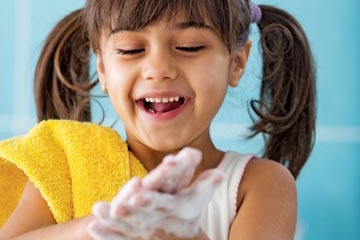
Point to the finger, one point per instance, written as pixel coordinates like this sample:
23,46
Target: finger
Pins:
127,190
100,232
136,224
156,202
180,228
190,153
175,172
187,160
154,179
117,209
130,207
139,199
136,229
172,178
165,177
190,202
101,210
143,223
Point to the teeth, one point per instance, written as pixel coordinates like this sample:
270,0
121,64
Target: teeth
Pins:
162,100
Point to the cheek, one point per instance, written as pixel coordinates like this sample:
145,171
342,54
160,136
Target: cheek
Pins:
210,89
120,83
213,76
120,78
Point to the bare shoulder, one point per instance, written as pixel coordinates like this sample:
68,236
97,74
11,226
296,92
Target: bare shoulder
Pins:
32,212
265,172
267,202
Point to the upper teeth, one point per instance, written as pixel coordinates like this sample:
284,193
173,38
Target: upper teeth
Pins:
162,100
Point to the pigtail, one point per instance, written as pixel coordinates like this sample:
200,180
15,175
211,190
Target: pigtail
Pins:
286,109
62,81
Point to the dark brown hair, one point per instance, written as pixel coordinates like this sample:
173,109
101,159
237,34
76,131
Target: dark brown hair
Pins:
286,108
285,111
62,79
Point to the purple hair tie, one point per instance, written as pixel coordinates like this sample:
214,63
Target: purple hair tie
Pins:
255,13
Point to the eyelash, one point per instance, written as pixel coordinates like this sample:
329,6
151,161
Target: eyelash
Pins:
191,49
140,50
129,52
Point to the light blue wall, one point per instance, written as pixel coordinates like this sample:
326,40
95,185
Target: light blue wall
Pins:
329,185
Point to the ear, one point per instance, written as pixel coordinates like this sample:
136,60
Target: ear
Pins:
239,60
100,67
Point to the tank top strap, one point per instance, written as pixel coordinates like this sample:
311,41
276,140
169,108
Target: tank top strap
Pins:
221,211
233,165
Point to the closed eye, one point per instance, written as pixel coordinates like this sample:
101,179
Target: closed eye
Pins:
190,49
140,50
130,51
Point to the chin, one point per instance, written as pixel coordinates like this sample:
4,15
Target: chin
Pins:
166,146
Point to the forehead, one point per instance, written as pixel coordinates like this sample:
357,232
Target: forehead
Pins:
107,16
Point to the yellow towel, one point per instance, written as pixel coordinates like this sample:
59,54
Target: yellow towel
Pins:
73,165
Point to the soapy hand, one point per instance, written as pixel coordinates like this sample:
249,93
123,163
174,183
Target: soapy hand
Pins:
161,201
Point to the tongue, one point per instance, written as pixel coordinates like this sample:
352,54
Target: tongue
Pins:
165,107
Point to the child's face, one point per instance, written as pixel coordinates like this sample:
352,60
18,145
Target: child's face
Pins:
167,81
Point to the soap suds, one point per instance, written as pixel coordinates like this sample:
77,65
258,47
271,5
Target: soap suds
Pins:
161,201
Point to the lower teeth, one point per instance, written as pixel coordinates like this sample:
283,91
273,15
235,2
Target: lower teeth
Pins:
152,110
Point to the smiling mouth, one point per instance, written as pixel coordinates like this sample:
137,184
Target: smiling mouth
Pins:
161,105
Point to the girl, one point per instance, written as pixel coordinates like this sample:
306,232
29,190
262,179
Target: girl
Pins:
166,66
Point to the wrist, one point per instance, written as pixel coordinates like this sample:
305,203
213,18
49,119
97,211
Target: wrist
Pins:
161,235
80,228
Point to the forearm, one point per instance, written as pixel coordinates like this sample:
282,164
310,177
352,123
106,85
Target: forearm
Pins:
74,229
161,235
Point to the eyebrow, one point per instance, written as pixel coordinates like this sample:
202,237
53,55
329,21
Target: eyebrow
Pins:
177,26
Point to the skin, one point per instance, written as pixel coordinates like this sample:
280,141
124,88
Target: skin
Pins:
267,196
163,67
162,198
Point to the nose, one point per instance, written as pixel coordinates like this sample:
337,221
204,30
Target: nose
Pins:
159,64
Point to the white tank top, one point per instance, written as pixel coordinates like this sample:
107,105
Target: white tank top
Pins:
221,211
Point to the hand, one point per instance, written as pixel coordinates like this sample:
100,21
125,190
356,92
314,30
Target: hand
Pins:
125,222
175,172
158,202
182,214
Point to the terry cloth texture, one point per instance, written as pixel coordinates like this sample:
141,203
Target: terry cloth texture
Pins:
73,165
